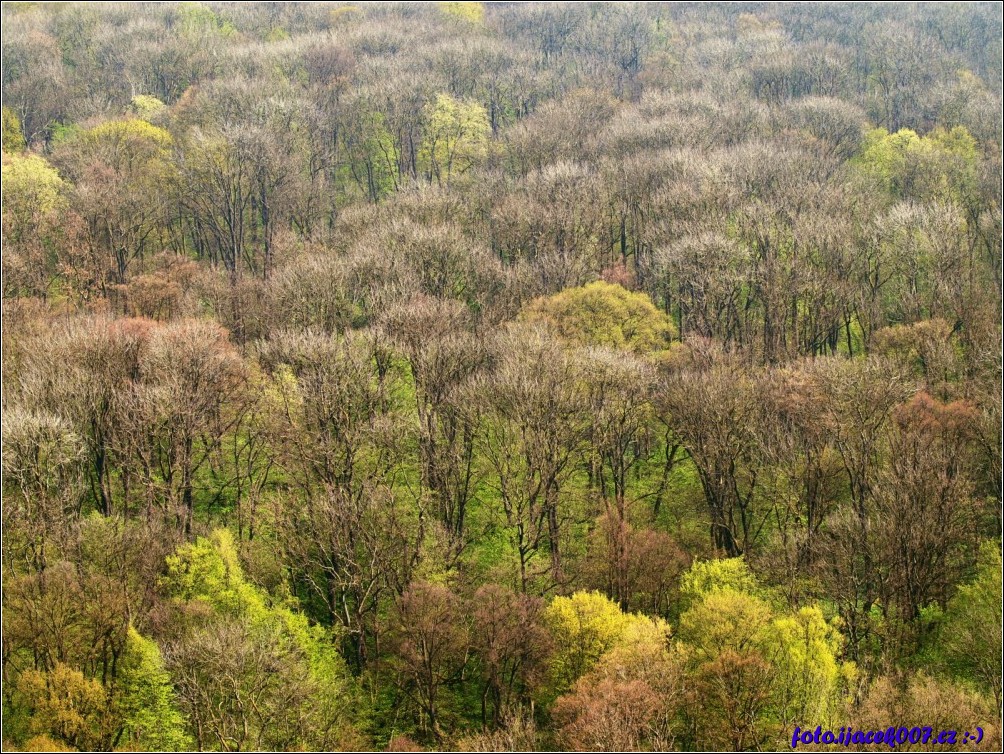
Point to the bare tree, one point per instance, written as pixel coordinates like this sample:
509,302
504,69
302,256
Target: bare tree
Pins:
532,425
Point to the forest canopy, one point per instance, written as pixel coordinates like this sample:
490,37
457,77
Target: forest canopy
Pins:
499,376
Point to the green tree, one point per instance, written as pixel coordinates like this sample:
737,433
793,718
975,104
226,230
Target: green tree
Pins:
147,107
67,706
756,672
724,620
584,625
706,577
13,137
198,20
456,138
122,170
941,165
627,700
372,154
803,649
605,314
145,699
293,690
473,13
33,192
971,634
129,144
208,571
34,197
588,625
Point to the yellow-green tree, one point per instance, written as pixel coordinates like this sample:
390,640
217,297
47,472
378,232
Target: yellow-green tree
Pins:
706,577
198,20
584,625
941,165
803,649
34,197
971,635
147,107
617,673
756,671
250,673
473,13
605,314
588,625
67,707
145,700
127,144
456,138
725,620
33,192
13,137
123,172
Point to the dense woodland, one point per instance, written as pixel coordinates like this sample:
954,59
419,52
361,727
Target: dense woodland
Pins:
499,376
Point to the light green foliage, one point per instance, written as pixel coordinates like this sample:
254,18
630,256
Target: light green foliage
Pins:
941,165
373,155
956,141
728,625
139,153
707,577
456,137
884,154
128,141
145,699
208,570
32,191
382,151
971,636
197,19
345,15
471,12
122,170
196,14
724,620
803,649
586,626
60,133
643,643
30,184
13,138
605,314
147,107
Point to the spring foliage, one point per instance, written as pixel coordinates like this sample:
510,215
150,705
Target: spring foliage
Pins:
605,314
512,376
